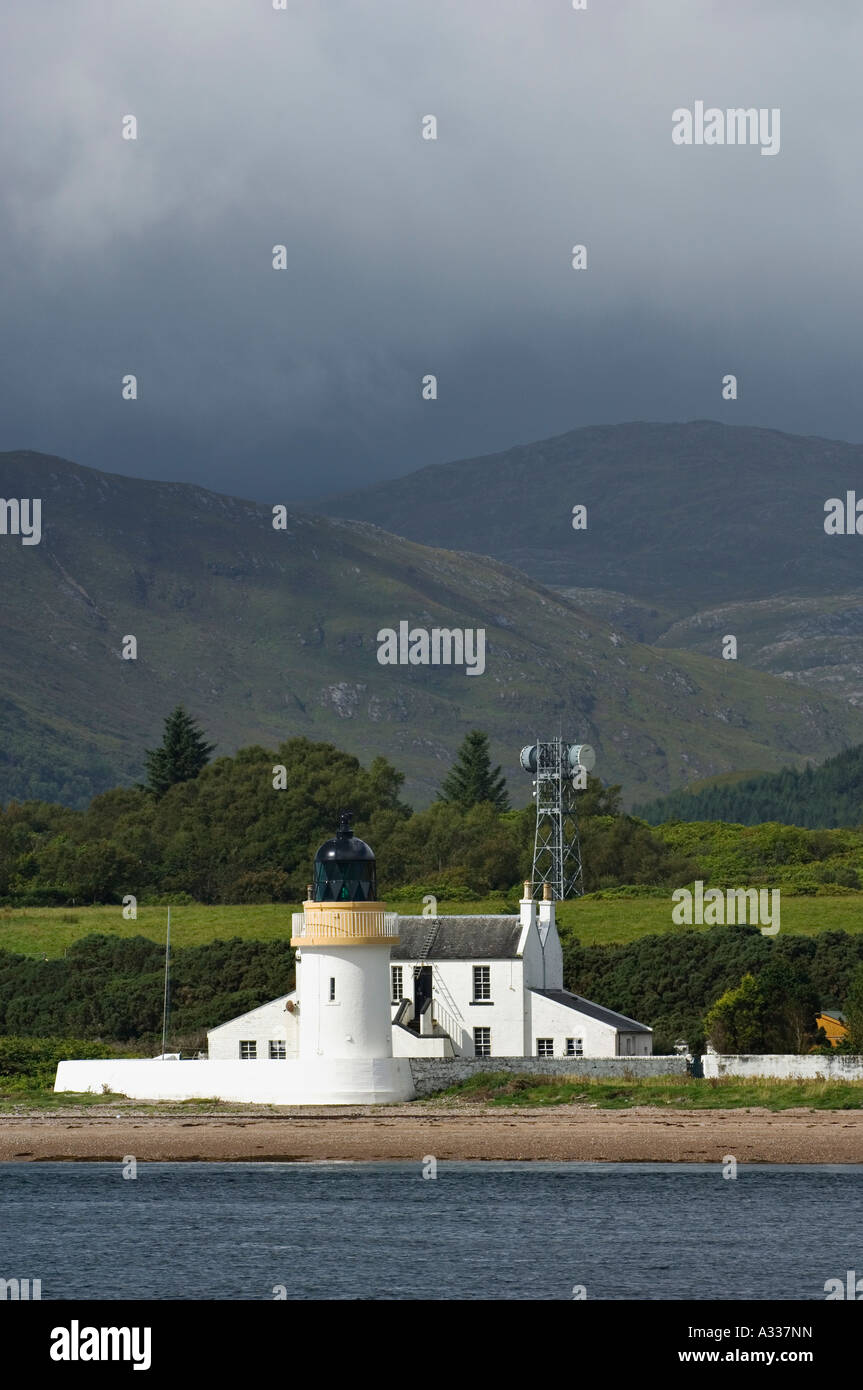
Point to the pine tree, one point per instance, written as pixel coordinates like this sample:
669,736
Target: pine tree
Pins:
180,757
472,780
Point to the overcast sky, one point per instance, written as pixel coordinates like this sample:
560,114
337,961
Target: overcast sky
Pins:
408,256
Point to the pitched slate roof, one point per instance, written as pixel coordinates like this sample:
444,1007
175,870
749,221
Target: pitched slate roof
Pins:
584,1006
479,937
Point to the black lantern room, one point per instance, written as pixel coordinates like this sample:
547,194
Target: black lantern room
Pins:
345,868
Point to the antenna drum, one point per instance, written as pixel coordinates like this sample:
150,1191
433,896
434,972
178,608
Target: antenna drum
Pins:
527,758
582,755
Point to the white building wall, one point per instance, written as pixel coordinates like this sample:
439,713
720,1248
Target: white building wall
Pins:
269,1023
556,1021
408,1044
453,1005
364,1081
356,1023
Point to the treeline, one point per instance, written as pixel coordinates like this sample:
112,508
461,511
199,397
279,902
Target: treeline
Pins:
672,981
110,988
229,836
824,797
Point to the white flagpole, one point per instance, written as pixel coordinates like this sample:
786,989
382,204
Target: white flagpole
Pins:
165,1001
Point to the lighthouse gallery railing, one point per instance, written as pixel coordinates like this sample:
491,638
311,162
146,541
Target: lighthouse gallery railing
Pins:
344,922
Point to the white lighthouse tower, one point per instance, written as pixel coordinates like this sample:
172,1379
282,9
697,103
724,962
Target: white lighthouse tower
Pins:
343,939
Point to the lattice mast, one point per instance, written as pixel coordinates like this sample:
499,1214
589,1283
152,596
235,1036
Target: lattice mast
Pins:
560,772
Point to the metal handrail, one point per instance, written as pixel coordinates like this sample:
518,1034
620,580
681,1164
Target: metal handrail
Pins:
345,923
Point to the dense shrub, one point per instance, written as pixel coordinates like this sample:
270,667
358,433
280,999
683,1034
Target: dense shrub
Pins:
112,987
671,981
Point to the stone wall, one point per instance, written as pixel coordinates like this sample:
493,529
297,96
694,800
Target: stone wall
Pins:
433,1074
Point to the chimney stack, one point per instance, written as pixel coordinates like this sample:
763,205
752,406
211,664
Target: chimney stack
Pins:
546,908
527,906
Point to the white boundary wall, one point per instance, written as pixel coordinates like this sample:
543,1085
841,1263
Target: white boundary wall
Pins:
366,1081
807,1066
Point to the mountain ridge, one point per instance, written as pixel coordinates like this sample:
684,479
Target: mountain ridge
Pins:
629,477
693,531
265,634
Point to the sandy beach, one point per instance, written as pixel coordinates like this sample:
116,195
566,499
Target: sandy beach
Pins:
467,1132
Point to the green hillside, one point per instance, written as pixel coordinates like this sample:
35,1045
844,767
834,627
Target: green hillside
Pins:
266,634
816,641
694,531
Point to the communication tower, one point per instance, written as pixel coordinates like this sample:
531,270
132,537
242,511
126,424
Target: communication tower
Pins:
560,772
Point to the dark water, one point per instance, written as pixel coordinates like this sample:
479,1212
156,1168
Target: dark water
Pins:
381,1231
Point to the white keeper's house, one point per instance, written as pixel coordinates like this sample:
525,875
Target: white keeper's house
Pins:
376,991
467,986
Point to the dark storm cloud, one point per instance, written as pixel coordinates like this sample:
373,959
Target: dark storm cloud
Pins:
407,256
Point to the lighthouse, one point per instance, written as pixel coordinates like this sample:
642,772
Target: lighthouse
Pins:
343,939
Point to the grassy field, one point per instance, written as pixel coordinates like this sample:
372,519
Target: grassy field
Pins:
687,1093
40,931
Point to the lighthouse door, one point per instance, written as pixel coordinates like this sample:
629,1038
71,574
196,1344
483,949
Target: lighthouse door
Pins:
422,988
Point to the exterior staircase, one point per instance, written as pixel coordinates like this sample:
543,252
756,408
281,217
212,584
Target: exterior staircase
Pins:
447,1017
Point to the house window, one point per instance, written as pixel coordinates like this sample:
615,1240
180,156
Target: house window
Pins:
579,1047
278,1050
248,1051
482,1042
481,984
398,989
332,988
570,1047
629,1044
545,1047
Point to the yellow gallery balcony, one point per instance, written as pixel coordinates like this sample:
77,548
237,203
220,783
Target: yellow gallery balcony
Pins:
352,924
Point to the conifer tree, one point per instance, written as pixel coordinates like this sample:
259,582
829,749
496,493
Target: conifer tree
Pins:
181,755
471,779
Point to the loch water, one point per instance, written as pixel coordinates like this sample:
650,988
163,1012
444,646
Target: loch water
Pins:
488,1230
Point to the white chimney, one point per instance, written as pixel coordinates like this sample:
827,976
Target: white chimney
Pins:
527,908
546,912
